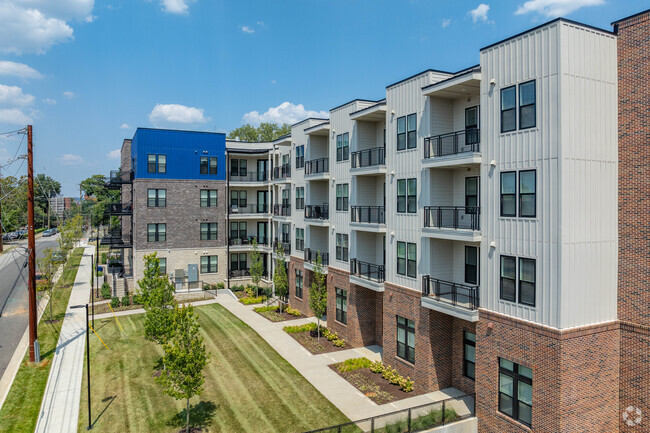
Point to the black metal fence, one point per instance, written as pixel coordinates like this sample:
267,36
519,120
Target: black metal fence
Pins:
286,247
311,256
317,211
282,209
366,270
453,143
452,217
261,240
251,176
369,157
368,214
282,172
259,208
461,295
315,166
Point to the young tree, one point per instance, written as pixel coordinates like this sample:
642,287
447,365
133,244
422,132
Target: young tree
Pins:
185,357
257,267
280,279
71,231
157,294
318,292
47,267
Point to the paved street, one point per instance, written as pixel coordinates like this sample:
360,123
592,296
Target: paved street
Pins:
13,296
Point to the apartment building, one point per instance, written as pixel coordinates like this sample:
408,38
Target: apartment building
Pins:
468,223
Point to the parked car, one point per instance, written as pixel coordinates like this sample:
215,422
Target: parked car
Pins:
48,233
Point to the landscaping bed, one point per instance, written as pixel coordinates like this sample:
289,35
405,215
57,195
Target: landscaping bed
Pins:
132,303
274,315
307,336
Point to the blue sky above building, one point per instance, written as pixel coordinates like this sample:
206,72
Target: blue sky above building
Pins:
98,70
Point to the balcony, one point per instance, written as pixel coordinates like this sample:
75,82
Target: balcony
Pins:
368,214
248,177
369,161
286,247
454,148
282,210
117,178
282,172
458,300
319,212
239,273
262,241
452,222
367,275
115,239
311,255
318,167
251,210
119,209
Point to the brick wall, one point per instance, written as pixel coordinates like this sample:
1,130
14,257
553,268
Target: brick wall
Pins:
575,375
433,338
300,304
460,381
635,375
339,279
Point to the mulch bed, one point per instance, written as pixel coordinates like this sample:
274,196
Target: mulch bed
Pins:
375,387
316,346
276,316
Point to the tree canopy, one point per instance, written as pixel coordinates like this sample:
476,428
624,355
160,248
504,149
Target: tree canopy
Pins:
264,132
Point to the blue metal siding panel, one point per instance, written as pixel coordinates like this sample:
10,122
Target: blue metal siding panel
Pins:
183,150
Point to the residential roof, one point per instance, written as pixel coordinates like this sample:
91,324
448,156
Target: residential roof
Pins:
631,16
418,74
350,102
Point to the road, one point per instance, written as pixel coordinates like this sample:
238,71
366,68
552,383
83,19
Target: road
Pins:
13,296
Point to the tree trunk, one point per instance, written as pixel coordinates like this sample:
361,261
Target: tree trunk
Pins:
318,328
187,411
51,299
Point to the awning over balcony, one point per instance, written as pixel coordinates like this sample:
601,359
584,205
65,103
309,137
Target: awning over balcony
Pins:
463,84
374,113
320,129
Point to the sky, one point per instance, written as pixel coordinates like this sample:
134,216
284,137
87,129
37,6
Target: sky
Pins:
86,73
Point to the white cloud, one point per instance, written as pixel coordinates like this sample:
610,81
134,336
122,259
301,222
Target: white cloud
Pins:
13,96
70,159
179,7
15,116
176,113
273,82
90,18
283,113
68,94
18,70
49,101
114,154
480,13
554,8
446,22
124,126
247,29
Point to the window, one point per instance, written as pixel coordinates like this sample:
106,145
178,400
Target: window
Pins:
411,132
509,194
298,283
238,199
342,306
471,195
471,265
401,196
238,167
208,264
527,105
204,165
342,247
300,239
208,197
162,163
527,193
156,232
516,391
342,197
407,195
156,163
469,355
508,278
406,339
151,163
208,231
208,165
527,281
300,197
238,262
156,197
508,109
407,259
401,133
300,156
401,258
238,230
162,265
343,147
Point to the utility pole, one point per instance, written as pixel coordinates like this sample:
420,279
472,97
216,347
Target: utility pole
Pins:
34,355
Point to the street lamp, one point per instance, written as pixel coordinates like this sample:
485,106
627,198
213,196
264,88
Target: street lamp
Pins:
87,360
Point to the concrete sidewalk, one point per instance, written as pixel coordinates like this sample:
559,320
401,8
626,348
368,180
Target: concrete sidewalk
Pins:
60,407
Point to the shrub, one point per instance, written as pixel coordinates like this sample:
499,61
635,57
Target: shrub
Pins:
293,312
353,364
339,342
299,328
324,332
249,292
115,302
236,288
103,258
220,286
332,336
106,291
251,300
137,299
377,367
126,301
406,384
206,287
264,309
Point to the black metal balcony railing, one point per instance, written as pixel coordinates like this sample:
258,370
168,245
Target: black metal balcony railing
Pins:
282,172
453,143
317,211
238,273
315,166
286,246
251,176
282,209
117,178
368,214
260,208
118,209
262,240
366,270
369,157
452,217
457,294
311,255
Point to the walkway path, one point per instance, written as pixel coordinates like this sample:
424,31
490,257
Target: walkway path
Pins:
60,408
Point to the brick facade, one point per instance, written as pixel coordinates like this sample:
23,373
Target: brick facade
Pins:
575,375
459,380
300,304
634,215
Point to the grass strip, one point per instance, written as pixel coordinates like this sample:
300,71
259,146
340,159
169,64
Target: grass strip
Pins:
19,412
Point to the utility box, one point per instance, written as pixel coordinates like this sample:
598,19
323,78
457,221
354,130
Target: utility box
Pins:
192,273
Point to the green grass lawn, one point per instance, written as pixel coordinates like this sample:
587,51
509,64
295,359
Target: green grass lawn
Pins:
20,410
248,387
